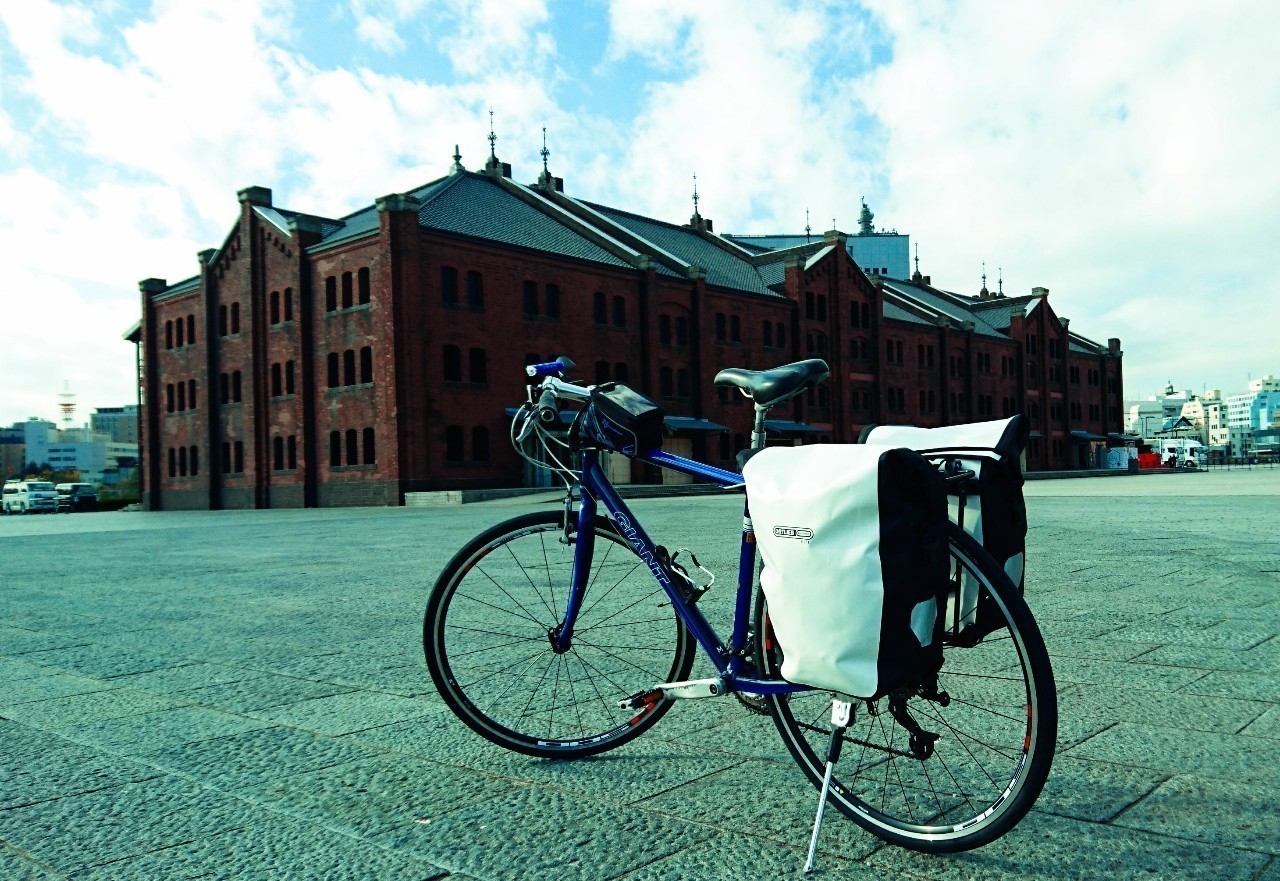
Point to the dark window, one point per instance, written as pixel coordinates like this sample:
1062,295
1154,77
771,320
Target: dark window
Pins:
530,298
720,327
808,304
479,366
664,330
897,347
292,447
782,335
366,364
452,364
182,396
288,304
453,443
168,398
620,372
275,307
222,320
370,452
362,285
288,377
331,294
348,297
448,285
335,449
682,331
619,312
182,333
853,315
352,452
277,453
333,370
182,461
768,334
235,386
735,329
226,457
195,461
191,330
239,457
598,308
224,389
480,444
920,355
191,394
475,289
277,381
349,367
173,462
865,309
235,318
822,307
552,303
602,371
665,385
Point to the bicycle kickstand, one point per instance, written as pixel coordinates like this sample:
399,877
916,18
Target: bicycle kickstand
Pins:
840,711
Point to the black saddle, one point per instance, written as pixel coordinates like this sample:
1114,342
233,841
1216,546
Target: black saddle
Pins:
769,387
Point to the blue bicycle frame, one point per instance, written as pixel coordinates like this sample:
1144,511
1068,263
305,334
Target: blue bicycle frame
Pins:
727,658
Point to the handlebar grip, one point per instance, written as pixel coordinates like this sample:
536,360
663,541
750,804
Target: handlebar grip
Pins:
547,409
557,367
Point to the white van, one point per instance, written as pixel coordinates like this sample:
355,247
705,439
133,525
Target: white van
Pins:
29,496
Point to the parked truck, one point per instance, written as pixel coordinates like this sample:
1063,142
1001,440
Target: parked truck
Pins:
29,497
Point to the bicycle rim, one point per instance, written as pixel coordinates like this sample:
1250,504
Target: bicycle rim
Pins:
995,734
487,644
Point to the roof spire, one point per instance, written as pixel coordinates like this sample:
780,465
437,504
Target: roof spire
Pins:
457,161
493,139
695,194
984,293
544,151
1000,292
917,276
806,225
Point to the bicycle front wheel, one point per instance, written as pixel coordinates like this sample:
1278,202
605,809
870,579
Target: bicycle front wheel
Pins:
487,643
995,717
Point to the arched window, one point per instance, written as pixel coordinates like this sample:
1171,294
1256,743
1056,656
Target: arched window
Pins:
182,396
362,285
239,456
277,453
452,364
619,312
664,330
479,366
275,307
768,335
292,449
366,364
191,394
288,304
182,332
288,377
277,380
168,398
195,461
480,444
370,453
529,298
226,457
331,294
235,318
349,367
173,462
720,327
182,461
475,290
191,330
598,307
735,329
352,452
682,331
335,449
168,334
235,386
782,335
808,304
448,285
822,307
333,370
222,321
552,304
348,298
453,443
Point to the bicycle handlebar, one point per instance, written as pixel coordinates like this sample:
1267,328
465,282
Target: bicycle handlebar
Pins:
550,368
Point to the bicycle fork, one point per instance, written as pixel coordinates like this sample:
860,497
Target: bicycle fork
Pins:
840,712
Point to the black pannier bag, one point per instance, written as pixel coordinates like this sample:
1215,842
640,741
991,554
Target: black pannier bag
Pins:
854,545
991,508
621,419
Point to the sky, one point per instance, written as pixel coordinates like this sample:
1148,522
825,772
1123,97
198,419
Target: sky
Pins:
1120,154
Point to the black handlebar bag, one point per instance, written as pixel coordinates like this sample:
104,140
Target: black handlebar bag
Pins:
990,508
621,419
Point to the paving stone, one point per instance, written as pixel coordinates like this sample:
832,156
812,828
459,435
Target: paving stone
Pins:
43,686
17,867
281,848
782,805
376,794
344,713
1223,756
1068,645
1047,848
15,669
150,732
77,832
1244,814
733,857
1250,686
1221,635
1118,674
78,709
17,640
541,833
100,661
1176,710
1262,658
188,676
1266,725
1094,791
261,692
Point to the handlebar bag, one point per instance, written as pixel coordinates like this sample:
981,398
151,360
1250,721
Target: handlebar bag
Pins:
991,508
619,418
855,563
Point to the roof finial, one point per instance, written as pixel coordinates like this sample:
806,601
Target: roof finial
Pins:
1000,269
917,256
545,152
695,194
806,225
984,293
457,161
493,139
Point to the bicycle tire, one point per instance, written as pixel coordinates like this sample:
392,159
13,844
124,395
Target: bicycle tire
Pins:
509,584
895,795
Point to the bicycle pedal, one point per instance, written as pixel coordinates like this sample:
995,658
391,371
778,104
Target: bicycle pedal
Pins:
641,700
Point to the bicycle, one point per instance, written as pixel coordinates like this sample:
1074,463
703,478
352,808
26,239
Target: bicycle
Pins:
568,633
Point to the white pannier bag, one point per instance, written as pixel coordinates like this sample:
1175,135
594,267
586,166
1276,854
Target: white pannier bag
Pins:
991,510
854,545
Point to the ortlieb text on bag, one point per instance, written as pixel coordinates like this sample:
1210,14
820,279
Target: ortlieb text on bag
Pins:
854,545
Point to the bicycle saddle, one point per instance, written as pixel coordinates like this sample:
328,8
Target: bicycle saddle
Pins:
769,387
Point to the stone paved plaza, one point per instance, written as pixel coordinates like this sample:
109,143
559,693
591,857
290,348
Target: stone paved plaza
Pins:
243,695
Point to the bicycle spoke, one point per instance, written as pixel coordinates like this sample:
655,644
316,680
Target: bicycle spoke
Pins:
555,616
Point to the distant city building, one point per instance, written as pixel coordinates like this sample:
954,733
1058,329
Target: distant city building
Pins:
1251,413
119,423
39,442
877,252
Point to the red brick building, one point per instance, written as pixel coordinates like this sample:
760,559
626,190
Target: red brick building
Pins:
319,362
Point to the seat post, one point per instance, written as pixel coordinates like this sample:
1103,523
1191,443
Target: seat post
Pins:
757,433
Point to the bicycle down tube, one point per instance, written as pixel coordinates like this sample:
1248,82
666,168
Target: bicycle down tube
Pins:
596,489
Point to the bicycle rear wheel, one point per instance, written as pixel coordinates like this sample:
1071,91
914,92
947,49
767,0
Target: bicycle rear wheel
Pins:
997,727
486,640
